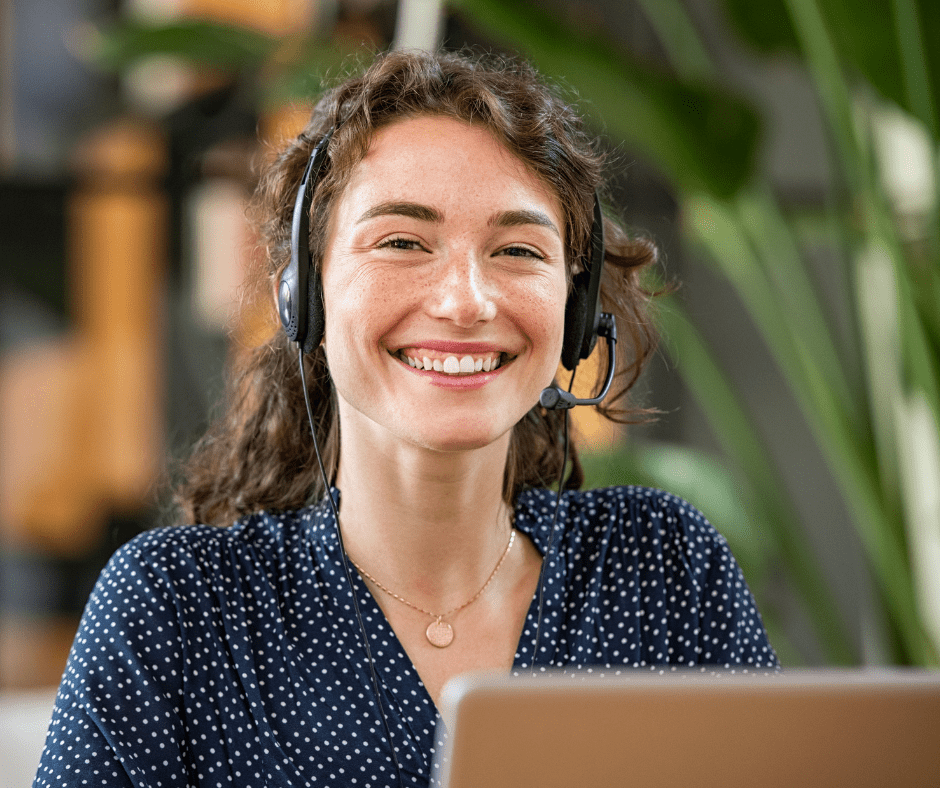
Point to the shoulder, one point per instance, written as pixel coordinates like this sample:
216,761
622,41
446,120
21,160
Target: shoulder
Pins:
264,531
184,578
634,504
650,555
187,555
630,526
624,514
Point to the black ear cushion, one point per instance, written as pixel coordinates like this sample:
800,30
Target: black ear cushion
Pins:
575,319
315,311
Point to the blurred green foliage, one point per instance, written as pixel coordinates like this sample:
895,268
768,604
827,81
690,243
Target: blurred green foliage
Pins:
874,416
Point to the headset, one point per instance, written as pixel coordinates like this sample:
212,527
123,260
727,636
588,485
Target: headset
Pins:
300,298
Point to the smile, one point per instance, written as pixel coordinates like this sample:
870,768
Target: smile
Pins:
467,364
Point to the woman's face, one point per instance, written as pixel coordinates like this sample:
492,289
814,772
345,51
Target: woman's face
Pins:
444,287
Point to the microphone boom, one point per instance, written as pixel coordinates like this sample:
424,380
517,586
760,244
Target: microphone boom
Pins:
556,398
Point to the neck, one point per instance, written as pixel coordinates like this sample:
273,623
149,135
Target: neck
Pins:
430,525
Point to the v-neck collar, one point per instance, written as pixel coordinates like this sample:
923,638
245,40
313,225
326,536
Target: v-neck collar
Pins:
404,693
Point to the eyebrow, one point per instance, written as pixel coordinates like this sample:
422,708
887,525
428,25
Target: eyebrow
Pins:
522,217
424,213
412,210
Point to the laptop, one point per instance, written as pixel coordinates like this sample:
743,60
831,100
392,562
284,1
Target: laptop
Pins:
560,730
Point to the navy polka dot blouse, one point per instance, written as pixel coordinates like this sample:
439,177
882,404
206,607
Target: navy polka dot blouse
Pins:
231,656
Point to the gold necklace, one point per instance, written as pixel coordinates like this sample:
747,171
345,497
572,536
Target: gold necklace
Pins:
439,633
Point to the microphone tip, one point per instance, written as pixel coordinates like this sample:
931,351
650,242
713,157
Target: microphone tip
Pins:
549,398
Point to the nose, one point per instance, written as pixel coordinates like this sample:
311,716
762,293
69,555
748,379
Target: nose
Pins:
462,293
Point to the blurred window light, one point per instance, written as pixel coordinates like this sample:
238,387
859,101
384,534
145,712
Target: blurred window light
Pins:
221,239
418,25
904,154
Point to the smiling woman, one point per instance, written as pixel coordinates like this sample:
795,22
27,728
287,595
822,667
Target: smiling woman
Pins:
435,244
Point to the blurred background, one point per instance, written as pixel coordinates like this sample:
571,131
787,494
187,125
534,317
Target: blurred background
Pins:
784,155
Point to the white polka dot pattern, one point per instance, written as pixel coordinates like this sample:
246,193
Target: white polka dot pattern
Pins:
231,657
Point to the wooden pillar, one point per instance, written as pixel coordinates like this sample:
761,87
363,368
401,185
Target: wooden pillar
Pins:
118,228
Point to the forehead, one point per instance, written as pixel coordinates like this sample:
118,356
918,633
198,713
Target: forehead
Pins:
431,157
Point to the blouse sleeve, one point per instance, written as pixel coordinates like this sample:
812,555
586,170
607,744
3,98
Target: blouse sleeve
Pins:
118,719
730,630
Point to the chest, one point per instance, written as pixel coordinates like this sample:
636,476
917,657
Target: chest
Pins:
485,634
484,639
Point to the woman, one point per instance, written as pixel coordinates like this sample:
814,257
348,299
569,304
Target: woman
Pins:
451,205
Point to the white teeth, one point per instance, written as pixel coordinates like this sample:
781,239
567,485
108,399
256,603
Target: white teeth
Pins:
466,365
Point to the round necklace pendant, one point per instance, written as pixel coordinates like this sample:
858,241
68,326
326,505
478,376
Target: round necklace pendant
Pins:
440,634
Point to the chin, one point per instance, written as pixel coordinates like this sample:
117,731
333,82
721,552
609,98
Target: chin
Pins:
457,436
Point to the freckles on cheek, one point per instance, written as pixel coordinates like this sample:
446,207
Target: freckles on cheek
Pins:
544,327
370,306
547,311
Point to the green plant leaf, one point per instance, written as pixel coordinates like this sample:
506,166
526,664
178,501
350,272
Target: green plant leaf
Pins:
778,253
847,456
679,36
703,138
223,47
919,449
869,36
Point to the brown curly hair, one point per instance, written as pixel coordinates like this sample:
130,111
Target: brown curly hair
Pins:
259,454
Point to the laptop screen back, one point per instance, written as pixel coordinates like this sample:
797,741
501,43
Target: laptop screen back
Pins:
807,729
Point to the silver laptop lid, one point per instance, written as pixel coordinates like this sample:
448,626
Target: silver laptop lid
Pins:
846,728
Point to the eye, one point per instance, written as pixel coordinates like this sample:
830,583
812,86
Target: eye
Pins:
403,244
521,251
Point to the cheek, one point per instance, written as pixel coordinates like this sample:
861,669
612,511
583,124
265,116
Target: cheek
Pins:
345,313
362,306
544,314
